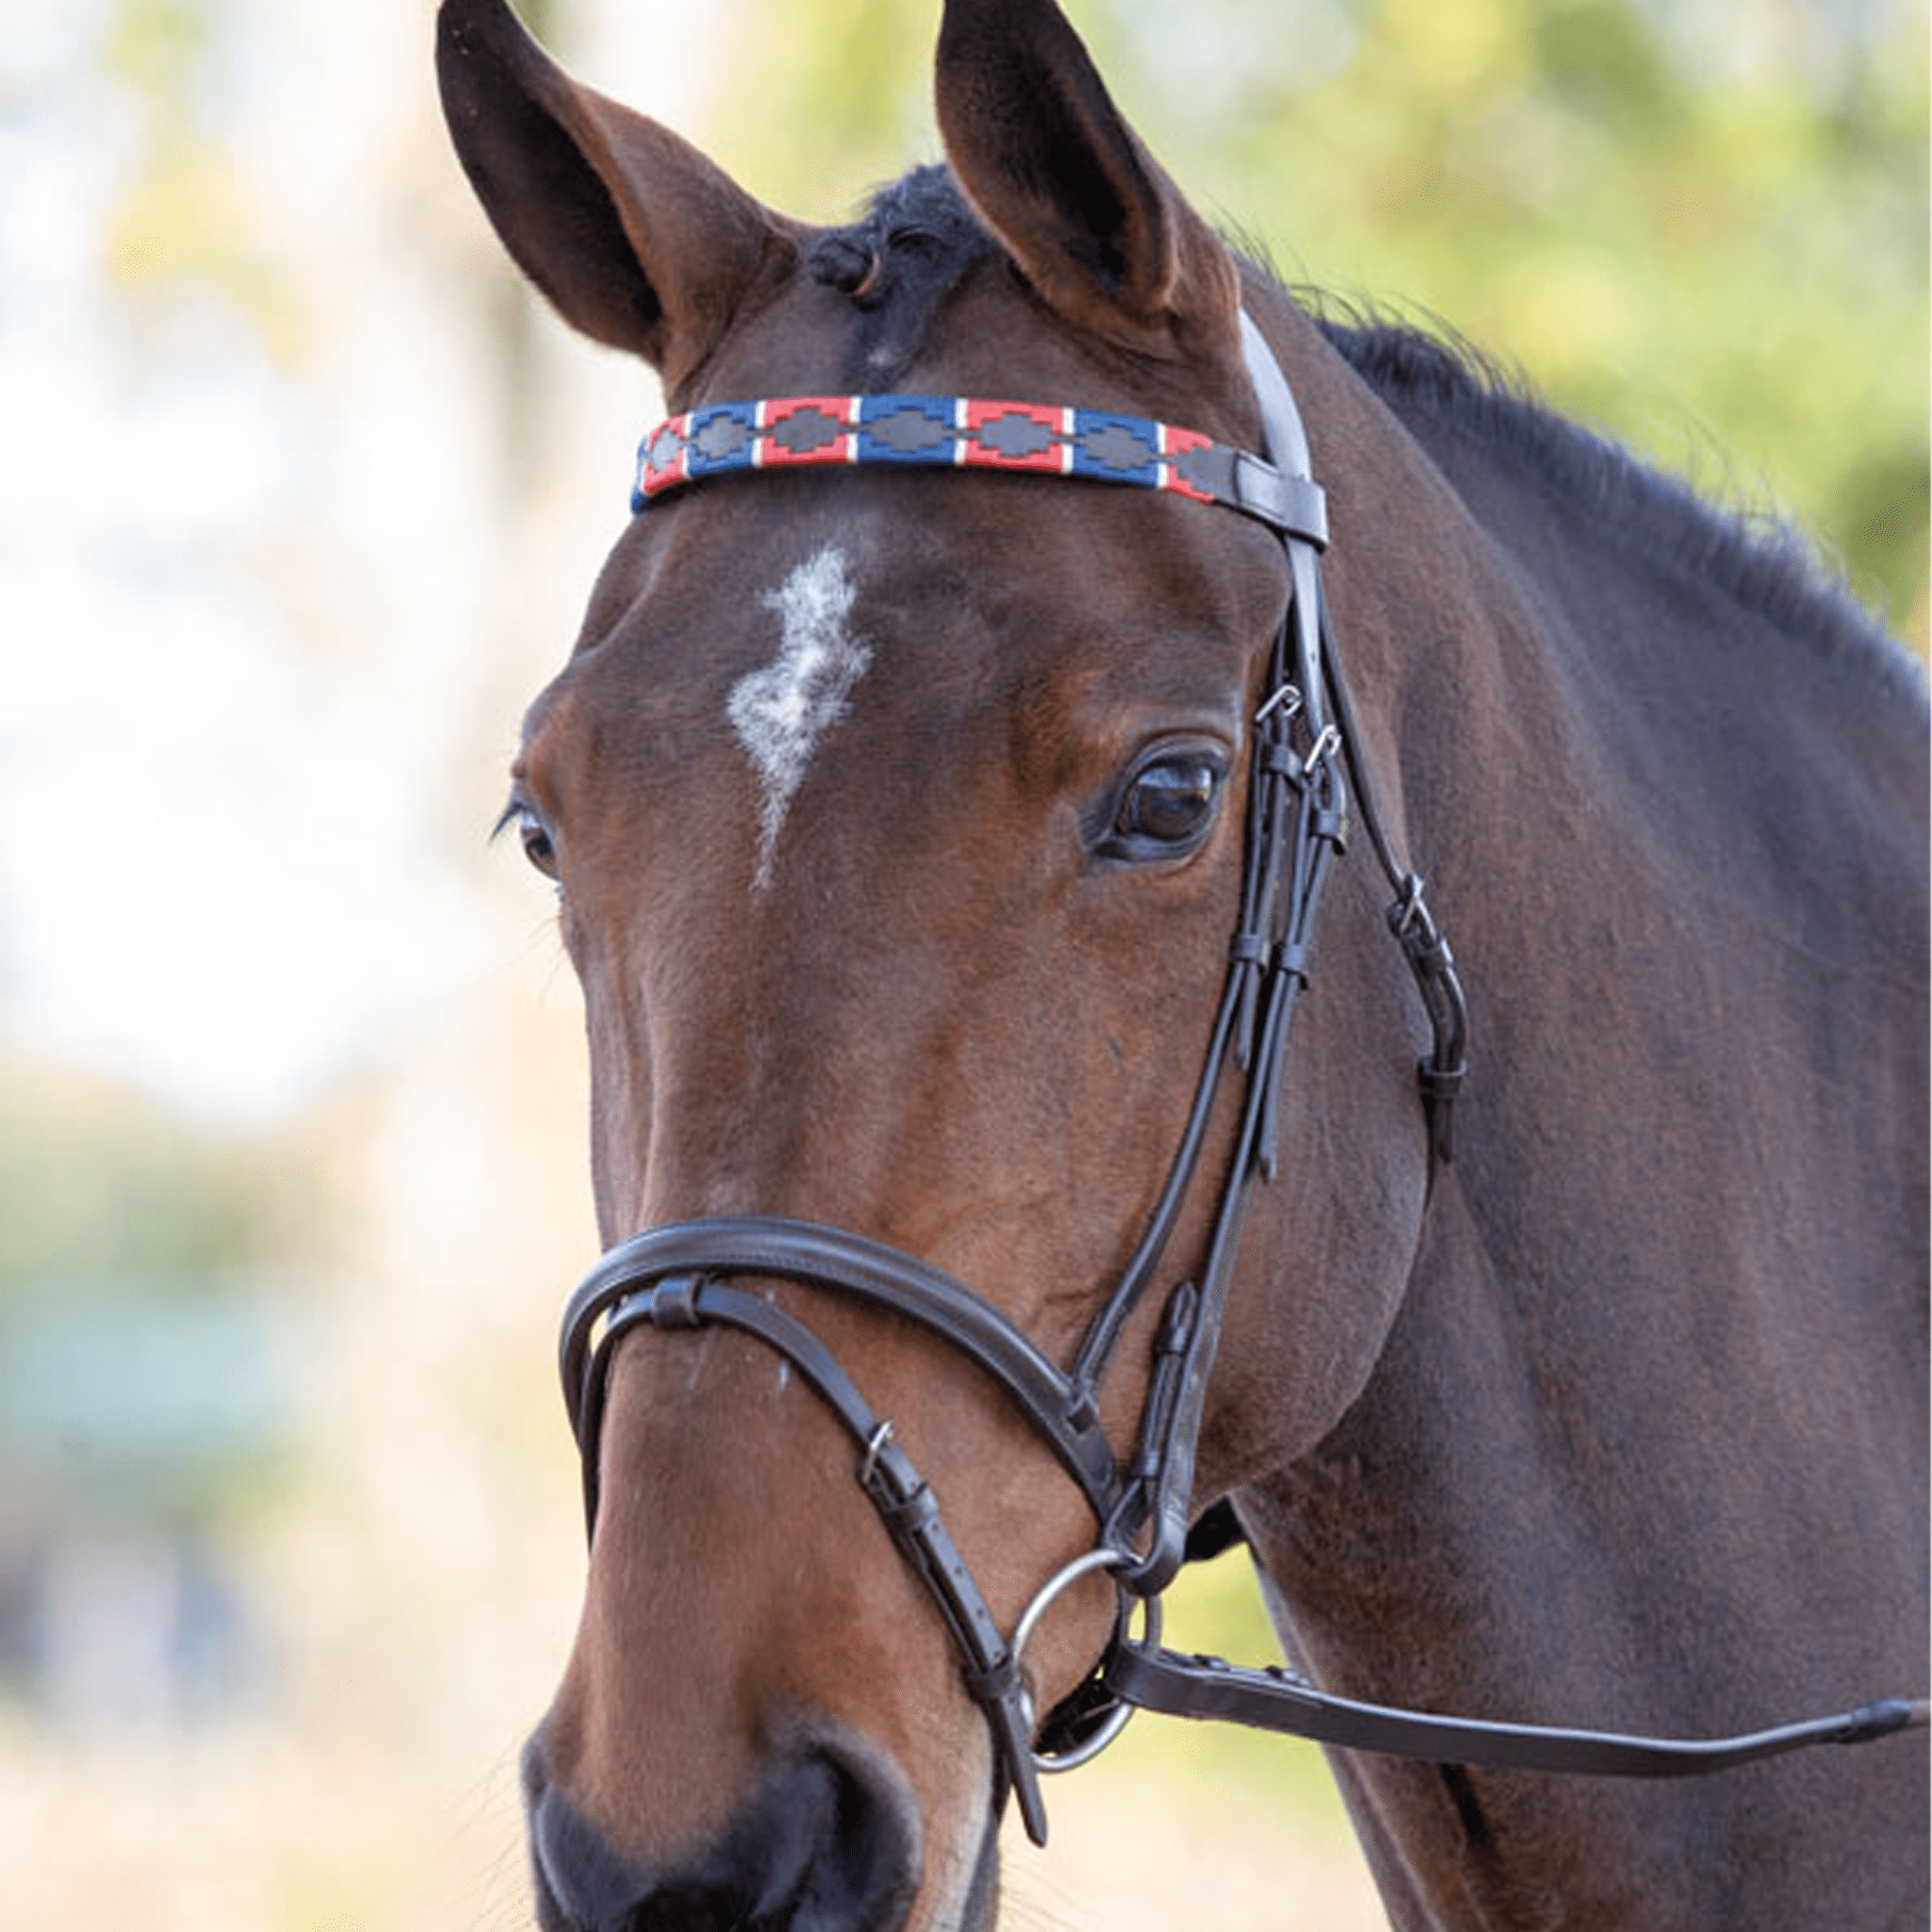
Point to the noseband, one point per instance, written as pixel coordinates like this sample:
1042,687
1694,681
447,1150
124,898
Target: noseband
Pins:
683,1276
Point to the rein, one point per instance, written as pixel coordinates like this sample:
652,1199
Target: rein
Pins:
1306,754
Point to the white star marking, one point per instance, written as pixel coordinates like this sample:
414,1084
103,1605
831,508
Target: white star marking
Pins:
781,712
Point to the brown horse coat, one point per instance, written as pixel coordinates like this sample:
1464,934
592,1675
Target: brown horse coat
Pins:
1621,1419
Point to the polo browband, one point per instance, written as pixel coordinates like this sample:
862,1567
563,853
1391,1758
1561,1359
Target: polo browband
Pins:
680,1276
961,433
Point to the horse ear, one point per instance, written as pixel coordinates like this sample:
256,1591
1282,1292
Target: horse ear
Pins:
635,236
1087,213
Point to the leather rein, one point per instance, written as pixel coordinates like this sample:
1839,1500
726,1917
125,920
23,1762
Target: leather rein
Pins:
1306,754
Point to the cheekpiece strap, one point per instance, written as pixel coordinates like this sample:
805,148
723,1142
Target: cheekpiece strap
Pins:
959,432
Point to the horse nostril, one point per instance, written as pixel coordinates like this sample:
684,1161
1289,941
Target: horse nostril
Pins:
582,1885
829,1844
857,1855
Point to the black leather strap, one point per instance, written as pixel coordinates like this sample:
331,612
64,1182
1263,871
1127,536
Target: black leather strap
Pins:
1278,1700
831,1257
1424,945
1297,808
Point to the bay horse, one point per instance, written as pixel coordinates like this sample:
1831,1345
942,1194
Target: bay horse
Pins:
940,829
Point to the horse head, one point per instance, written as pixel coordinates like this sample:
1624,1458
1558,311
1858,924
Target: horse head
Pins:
897,826
938,845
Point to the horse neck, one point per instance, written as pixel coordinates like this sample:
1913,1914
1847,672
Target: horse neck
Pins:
1665,1315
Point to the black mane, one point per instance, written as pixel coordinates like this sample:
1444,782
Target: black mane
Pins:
1763,563
919,236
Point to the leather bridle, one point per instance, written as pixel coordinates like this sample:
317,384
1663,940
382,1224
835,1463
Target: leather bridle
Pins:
1304,747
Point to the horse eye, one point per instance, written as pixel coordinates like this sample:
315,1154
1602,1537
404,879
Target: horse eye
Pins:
1168,806
537,846
540,848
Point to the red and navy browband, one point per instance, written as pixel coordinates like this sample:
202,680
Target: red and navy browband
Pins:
956,432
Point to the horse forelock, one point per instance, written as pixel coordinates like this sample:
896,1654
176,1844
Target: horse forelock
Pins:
916,240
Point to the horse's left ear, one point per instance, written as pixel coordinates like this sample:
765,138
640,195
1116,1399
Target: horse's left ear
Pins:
1087,213
635,236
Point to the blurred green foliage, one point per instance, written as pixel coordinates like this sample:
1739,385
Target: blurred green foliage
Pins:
103,1187
188,225
1699,225
119,1219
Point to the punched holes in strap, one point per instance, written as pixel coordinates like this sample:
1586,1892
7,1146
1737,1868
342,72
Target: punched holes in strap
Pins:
989,1669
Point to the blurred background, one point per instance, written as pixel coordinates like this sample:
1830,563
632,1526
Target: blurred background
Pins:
300,498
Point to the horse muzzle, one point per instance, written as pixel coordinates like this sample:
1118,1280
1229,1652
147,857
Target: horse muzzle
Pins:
828,1841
